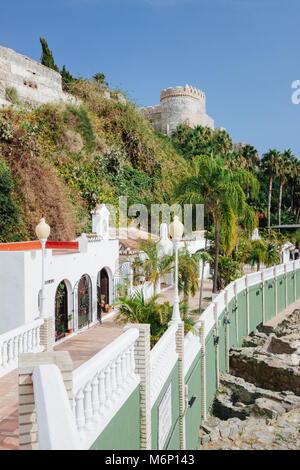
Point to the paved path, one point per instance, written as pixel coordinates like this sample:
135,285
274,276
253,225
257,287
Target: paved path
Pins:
81,348
168,296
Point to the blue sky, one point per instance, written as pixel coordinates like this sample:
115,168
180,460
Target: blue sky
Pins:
244,54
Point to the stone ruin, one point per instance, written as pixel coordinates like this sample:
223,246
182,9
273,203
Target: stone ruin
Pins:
258,403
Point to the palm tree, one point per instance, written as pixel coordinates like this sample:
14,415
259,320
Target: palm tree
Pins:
250,157
256,253
284,171
270,165
295,169
221,192
188,273
204,258
154,266
136,309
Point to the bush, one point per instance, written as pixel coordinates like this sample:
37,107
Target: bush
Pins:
8,211
83,126
11,95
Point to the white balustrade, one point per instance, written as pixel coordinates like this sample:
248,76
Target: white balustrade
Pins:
102,384
163,358
24,339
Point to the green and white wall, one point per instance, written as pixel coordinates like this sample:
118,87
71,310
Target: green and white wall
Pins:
129,397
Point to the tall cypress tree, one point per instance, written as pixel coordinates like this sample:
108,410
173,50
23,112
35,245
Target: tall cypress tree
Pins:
47,58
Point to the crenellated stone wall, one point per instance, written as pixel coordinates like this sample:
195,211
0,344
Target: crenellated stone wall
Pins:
179,105
34,83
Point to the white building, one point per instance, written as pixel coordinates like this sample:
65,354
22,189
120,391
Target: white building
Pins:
78,278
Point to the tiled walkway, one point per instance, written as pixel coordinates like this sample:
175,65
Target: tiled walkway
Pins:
81,348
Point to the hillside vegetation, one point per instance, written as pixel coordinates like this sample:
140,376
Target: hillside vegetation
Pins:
64,159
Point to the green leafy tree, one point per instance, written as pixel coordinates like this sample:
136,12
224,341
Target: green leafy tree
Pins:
229,270
66,75
284,171
154,266
47,57
221,192
8,211
270,166
136,309
100,79
188,273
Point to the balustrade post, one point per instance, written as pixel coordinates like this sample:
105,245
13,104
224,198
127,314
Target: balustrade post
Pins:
102,392
88,410
142,369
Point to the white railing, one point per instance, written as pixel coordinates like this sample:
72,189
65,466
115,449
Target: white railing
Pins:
240,285
147,288
103,384
25,339
163,358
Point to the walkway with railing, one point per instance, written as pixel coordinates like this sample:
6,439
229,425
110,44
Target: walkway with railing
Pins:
81,348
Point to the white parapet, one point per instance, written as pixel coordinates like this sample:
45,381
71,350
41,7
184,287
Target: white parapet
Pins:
102,385
163,358
25,339
56,423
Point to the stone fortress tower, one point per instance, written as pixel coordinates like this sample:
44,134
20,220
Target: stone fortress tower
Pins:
179,105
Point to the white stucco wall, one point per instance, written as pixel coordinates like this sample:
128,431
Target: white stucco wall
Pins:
21,272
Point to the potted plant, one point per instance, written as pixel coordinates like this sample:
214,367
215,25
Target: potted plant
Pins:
107,308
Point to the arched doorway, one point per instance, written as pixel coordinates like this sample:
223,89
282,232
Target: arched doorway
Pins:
84,301
102,292
61,311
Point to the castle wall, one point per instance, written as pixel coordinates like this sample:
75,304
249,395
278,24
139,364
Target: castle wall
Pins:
179,106
33,82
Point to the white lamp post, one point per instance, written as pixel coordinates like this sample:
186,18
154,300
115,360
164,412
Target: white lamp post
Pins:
176,232
42,231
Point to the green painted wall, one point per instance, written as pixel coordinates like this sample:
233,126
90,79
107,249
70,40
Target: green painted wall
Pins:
211,373
193,414
255,303
290,287
298,283
173,441
232,327
242,312
222,342
123,431
269,299
281,293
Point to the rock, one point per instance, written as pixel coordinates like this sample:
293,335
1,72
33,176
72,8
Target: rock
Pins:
224,408
279,346
73,141
234,432
205,439
269,408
